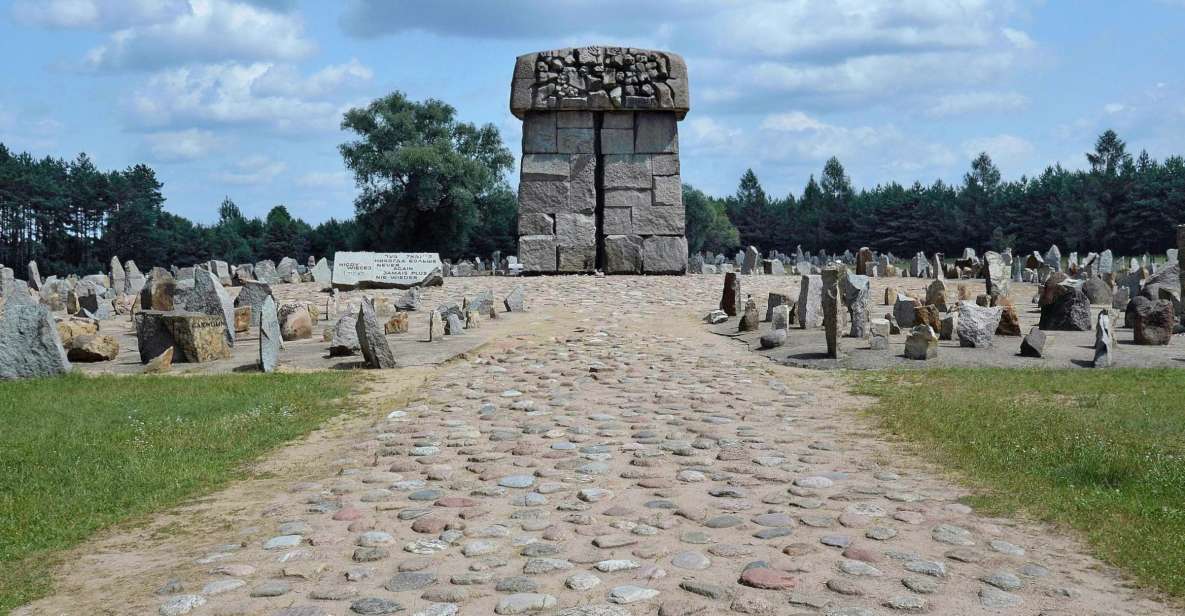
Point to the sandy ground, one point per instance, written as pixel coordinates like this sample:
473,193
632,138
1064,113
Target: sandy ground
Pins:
607,433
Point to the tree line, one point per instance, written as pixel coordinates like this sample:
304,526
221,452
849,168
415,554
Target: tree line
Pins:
1128,204
428,182
71,217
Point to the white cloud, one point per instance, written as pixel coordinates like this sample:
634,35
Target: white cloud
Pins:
1018,38
285,80
242,94
1114,107
705,135
755,54
253,170
183,145
975,102
208,31
96,14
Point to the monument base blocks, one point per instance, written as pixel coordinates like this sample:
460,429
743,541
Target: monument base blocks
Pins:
599,184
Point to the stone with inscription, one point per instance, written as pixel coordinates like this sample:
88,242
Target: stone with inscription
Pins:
386,270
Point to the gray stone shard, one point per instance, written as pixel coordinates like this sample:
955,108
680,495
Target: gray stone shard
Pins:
976,324
775,300
921,343
322,273
1053,258
409,301
265,271
222,271
119,279
996,274
515,300
810,302
269,335
830,303
254,294
857,293
209,297
34,276
135,280
29,342
752,261
372,339
1033,344
344,339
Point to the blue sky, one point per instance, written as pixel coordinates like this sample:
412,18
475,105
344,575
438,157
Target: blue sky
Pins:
244,97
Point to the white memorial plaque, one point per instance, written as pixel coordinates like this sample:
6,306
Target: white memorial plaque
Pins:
385,270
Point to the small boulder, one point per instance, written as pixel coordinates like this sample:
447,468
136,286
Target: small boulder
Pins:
296,322
921,343
92,348
773,339
1033,344
750,319
977,325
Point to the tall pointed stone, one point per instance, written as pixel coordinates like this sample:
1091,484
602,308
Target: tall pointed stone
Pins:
269,335
810,302
372,338
119,278
829,293
209,297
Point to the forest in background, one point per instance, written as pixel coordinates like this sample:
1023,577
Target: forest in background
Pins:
431,183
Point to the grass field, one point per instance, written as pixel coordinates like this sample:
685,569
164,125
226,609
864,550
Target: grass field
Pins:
1100,451
78,453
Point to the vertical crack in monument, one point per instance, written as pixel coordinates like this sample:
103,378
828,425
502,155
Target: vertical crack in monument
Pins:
599,183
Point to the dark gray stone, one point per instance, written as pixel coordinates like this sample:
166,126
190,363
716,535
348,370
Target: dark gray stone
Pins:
270,339
209,297
1033,344
372,339
29,342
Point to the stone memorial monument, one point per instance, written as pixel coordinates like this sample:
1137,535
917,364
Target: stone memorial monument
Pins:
599,182
386,270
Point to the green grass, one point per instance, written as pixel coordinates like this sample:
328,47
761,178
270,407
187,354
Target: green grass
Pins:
78,454
1100,451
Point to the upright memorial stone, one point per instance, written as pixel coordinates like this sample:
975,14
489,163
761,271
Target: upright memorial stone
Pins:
864,258
119,279
34,276
135,279
372,339
856,294
600,184
732,302
1053,258
269,335
810,301
997,275
830,304
386,270
752,262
